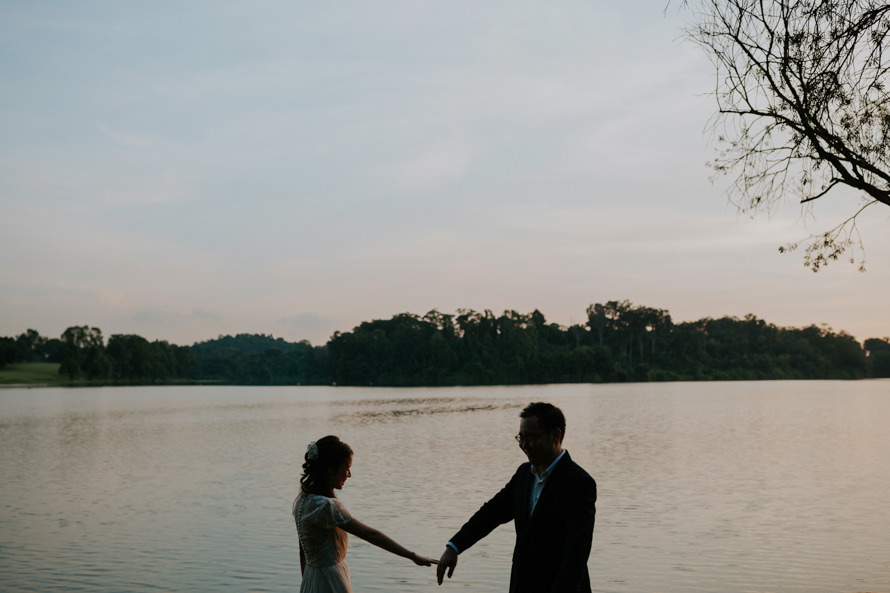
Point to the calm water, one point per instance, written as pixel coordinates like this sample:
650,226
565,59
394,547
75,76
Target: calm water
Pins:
730,487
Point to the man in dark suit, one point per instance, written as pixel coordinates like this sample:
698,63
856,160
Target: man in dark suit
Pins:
552,503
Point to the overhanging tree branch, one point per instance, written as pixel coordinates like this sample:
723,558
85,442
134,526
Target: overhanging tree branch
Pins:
802,96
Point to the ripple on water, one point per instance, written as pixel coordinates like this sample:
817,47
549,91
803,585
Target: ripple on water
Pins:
752,487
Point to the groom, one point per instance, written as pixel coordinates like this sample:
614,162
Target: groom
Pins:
551,501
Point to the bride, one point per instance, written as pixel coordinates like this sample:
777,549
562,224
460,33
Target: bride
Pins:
323,521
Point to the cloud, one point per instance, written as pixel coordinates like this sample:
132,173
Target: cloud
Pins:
304,322
310,326
435,168
203,315
149,316
156,315
126,138
112,297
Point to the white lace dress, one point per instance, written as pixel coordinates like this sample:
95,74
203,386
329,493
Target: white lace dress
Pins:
324,543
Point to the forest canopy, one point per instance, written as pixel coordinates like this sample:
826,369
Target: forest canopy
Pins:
619,342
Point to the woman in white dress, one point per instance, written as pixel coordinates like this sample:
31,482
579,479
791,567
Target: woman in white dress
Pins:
323,521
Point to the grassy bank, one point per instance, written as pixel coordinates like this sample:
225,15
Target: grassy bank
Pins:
46,374
32,373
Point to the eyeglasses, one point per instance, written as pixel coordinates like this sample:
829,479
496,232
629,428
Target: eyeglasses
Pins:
524,438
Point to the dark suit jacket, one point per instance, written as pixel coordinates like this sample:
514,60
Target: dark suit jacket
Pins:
553,544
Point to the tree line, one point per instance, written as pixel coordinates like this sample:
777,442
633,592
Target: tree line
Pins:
619,342
83,355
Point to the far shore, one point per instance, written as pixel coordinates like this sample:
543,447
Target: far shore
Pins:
27,375
41,375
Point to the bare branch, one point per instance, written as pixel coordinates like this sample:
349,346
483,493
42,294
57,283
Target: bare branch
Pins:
803,99
833,183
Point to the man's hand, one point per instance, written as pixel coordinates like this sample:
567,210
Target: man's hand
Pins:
449,561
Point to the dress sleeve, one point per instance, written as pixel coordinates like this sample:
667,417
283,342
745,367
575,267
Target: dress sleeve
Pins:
326,512
336,513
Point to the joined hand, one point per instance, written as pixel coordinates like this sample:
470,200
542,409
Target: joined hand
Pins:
449,561
422,560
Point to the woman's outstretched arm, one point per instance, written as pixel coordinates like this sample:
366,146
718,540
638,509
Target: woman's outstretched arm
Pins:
381,540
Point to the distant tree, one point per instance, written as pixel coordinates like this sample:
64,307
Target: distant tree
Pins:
596,321
880,364
618,320
877,344
630,331
8,351
134,359
184,361
83,353
252,359
648,323
803,105
31,346
878,350
52,350
246,343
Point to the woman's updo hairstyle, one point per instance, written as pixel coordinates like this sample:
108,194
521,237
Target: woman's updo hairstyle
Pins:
327,453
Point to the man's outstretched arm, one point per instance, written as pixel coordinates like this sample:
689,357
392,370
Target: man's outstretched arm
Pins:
497,511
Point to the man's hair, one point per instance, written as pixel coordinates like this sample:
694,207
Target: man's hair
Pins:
548,415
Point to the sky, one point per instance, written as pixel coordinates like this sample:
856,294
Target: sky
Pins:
185,170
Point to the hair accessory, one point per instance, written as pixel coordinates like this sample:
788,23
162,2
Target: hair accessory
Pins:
312,451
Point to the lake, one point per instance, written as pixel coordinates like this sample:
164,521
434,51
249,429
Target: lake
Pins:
730,487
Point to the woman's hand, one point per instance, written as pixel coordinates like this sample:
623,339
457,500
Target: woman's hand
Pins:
422,560
381,540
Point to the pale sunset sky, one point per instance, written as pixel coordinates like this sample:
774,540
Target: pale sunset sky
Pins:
184,170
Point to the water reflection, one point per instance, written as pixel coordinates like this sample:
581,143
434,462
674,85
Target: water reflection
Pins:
381,410
733,487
